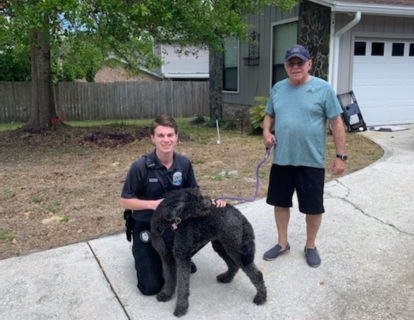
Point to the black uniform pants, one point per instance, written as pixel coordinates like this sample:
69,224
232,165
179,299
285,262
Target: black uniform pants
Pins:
148,263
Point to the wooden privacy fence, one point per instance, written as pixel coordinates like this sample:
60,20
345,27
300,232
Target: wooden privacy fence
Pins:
78,101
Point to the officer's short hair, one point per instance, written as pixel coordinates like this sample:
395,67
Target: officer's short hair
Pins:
164,120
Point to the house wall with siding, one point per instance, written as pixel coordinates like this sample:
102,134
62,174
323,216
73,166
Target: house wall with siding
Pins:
190,61
255,80
313,32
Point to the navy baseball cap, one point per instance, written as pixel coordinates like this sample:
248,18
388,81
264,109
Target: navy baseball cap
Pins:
297,51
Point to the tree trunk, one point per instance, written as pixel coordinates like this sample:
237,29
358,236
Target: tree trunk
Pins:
42,108
216,85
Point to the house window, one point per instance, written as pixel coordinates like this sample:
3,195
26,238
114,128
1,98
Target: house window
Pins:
377,49
411,51
398,49
360,48
284,36
231,65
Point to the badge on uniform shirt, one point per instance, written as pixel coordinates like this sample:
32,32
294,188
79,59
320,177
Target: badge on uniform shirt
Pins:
144,236
177,178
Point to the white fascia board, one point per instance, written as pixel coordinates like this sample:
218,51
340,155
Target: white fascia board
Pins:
151,73
186,75
367,8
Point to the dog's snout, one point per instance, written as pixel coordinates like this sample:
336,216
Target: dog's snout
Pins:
168,216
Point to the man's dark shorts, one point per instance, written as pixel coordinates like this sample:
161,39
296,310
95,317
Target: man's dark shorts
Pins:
308,183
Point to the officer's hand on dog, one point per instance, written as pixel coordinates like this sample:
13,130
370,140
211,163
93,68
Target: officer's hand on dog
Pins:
156,203
218,203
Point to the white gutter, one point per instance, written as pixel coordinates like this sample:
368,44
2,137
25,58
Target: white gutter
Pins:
374,9
366,7
337,37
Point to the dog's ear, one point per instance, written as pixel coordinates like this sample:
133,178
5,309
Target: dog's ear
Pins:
197,192
204,202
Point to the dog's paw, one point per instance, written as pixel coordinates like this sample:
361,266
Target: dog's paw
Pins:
180,310
162,297
225,277
260,299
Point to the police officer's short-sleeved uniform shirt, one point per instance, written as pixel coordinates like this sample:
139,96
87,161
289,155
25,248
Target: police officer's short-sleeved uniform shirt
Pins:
148,179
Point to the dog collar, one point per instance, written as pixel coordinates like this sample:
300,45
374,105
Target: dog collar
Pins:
174,226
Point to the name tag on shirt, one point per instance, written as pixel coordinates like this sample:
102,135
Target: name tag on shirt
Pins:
153,180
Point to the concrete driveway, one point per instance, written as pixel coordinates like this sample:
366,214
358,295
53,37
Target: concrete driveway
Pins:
366,243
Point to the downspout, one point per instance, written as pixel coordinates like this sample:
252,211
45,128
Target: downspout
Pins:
331,45
337,37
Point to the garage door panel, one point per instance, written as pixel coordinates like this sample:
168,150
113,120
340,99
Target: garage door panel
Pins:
385,116
375,115
371,93
401,115
369,71
384,85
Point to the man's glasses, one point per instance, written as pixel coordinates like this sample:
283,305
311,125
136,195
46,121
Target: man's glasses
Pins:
299,63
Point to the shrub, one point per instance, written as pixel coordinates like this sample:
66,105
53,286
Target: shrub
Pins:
257,114
197,120
212,123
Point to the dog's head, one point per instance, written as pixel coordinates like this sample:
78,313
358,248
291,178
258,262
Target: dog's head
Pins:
183,204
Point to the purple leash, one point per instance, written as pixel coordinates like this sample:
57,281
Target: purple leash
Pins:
257,179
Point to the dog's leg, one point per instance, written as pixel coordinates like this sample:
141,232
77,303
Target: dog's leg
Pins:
227,276
170,277
256,277
183,285
246,262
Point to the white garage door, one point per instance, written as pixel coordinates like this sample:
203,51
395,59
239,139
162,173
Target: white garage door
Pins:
383,80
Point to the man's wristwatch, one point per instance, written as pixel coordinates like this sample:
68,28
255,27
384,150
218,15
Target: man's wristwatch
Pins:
343,157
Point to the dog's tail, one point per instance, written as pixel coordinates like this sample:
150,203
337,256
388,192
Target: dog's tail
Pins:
247,247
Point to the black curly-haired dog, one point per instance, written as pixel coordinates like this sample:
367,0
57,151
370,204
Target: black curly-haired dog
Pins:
186,221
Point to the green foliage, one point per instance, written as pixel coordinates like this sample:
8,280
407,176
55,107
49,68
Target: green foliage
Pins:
217,177
50,208
257,113
5,235
229,125
80,31
69,62
262,174
197,120
15,63
11,126
223,124
123,29
76,58
36,199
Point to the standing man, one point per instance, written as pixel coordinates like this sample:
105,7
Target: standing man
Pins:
298,109
148,180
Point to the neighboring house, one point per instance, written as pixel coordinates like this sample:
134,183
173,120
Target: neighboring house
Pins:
191,63
119,74
362,45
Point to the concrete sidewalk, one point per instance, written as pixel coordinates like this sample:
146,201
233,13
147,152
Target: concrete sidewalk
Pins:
366,243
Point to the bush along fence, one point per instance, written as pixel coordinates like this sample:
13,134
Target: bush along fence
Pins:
79,101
